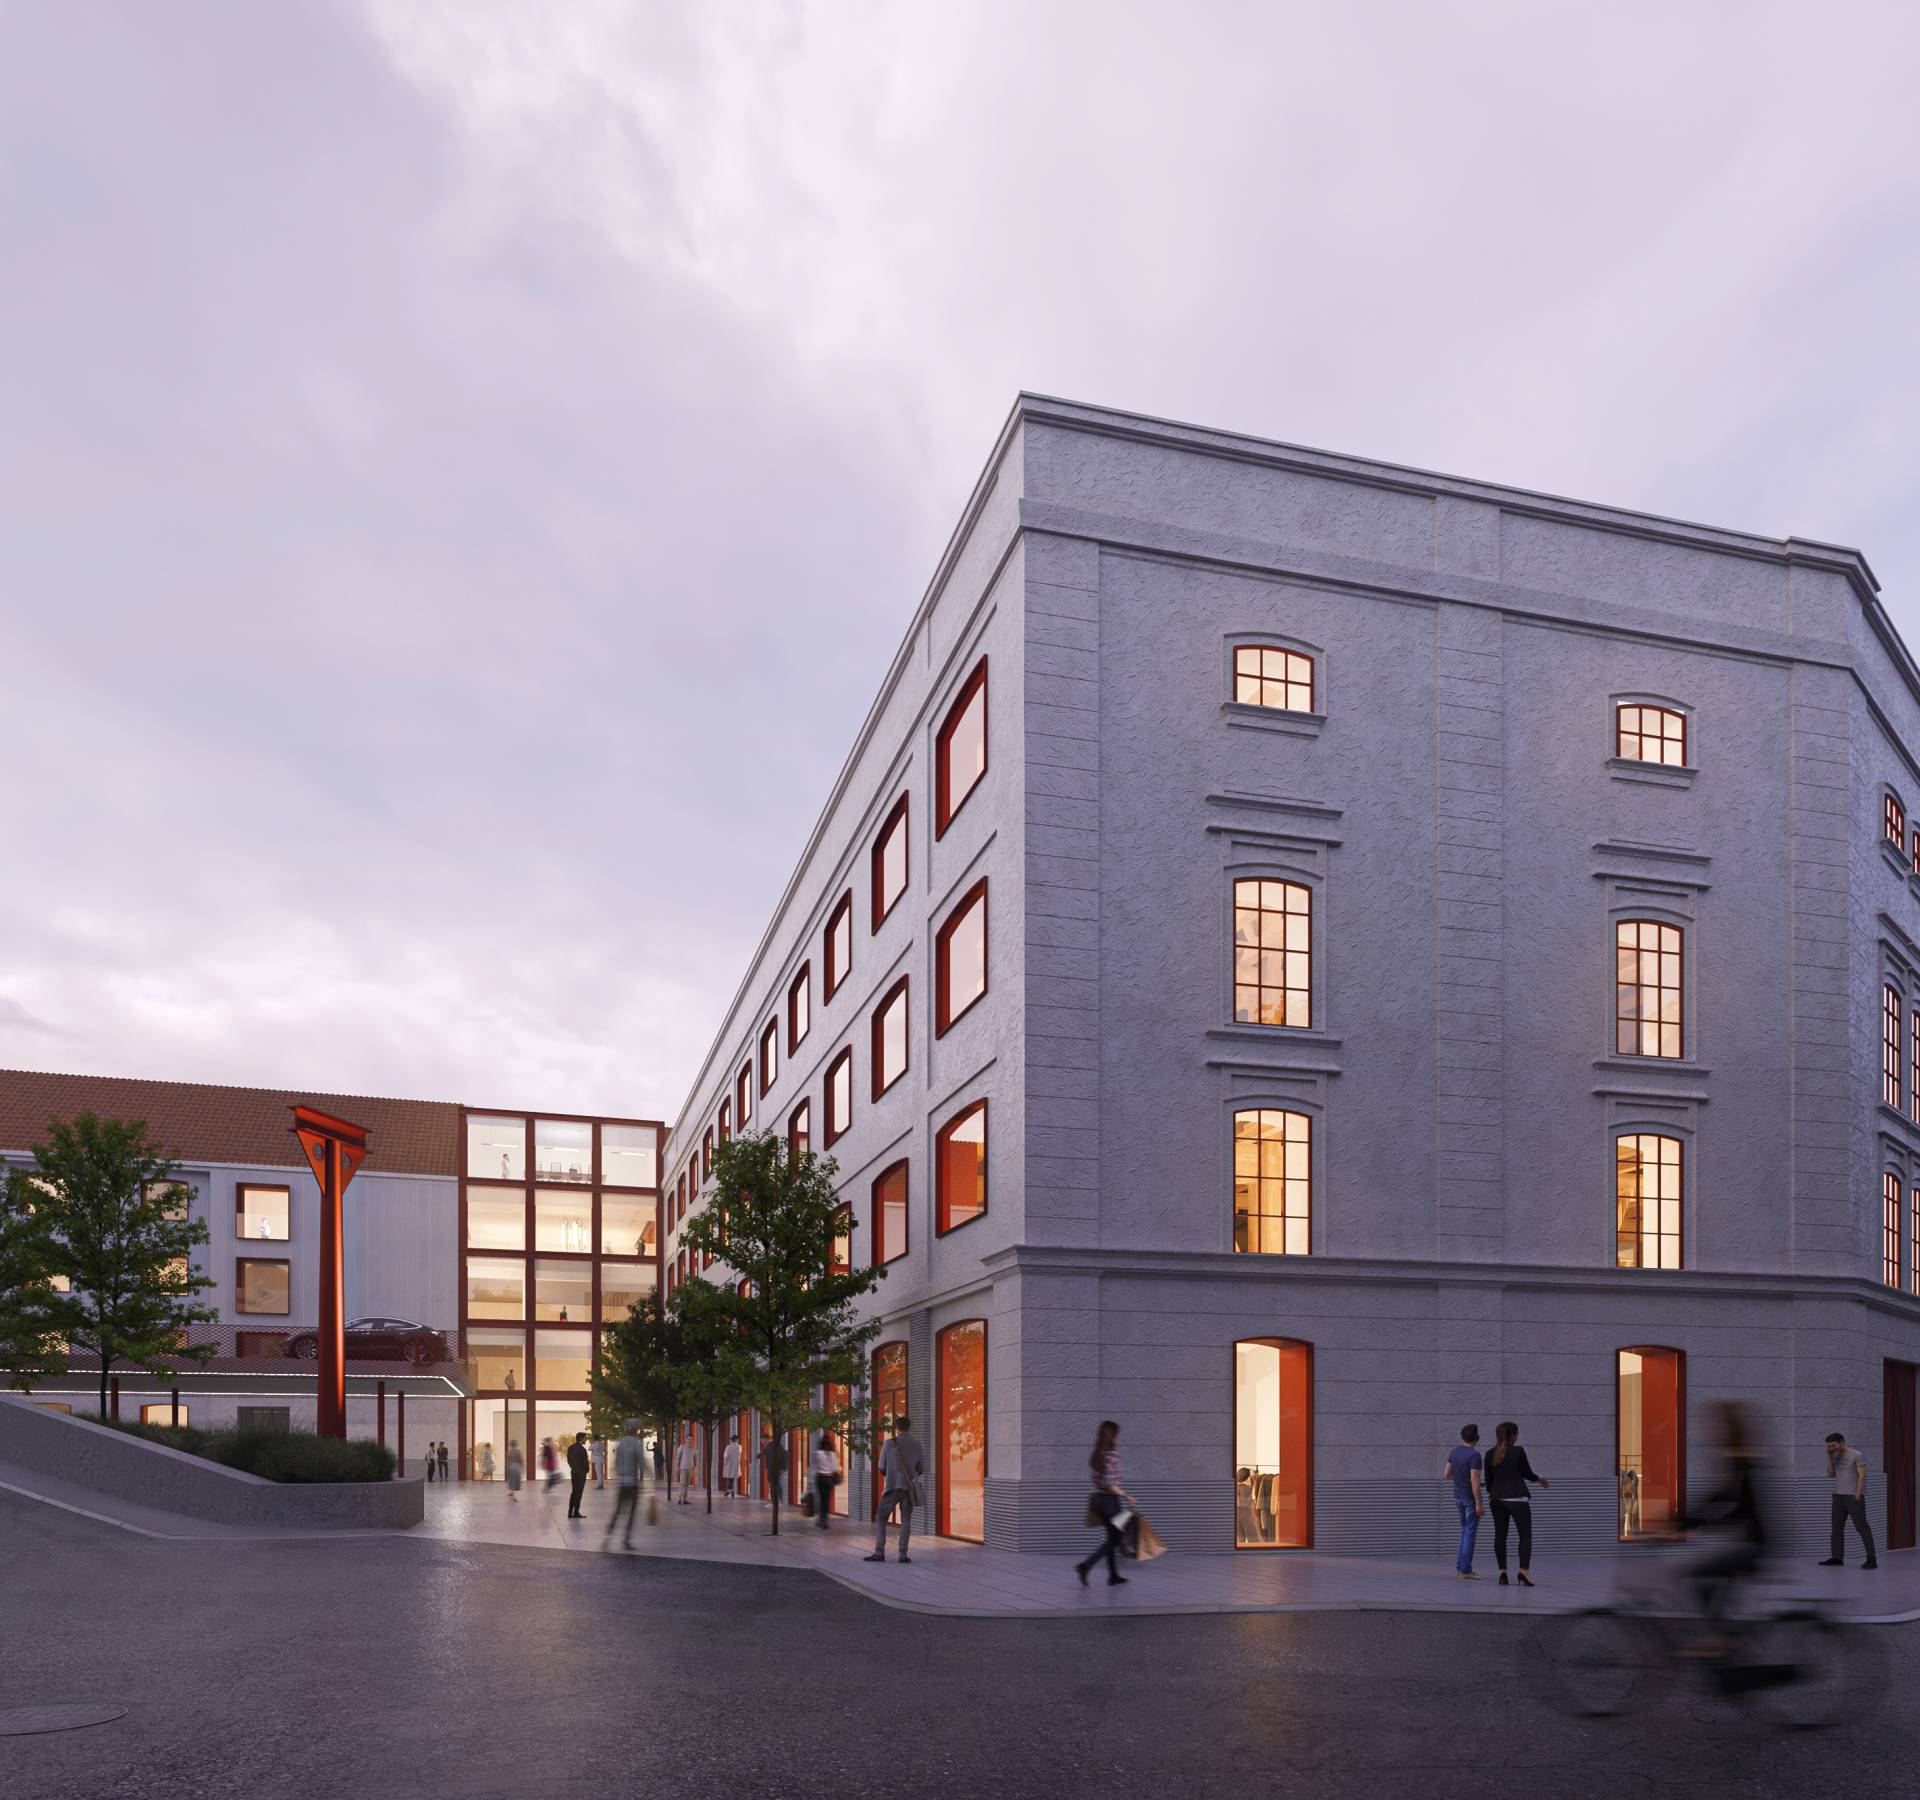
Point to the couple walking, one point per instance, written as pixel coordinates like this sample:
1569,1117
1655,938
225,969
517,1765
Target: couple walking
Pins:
1500,1478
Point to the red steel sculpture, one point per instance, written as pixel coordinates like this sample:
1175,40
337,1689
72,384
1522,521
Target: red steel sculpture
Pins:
336,1150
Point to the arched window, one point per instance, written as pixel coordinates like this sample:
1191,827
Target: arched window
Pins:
743,1095
890,863
839,1095
1647,1007
838,945
1890,1229
1654,734
960,1169
1647,1173
769,1056
889,1399
1650,1396
960,751
800,1129
1272,1444
890,1214
961,1433
1273,953
1891,1047
799,1007
1272,1182
1266,675
960,958
889,1061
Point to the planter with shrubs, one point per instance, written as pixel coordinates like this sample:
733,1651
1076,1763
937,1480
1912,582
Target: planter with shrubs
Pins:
290,1456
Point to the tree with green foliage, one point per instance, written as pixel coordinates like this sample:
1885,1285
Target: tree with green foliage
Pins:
790,1319
634,1378
708,1381
121,1233
32,1336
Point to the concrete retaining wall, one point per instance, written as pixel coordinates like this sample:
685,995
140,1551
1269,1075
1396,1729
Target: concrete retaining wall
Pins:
131,1468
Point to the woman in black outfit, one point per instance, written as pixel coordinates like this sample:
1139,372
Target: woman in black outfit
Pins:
1506,1477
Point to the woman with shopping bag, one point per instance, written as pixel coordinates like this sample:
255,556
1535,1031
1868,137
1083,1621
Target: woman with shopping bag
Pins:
1109,1506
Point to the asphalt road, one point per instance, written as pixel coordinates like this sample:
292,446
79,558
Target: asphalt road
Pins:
422,1668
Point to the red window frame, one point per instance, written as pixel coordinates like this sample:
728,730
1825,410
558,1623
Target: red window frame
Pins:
1892,1047
726,1120
799,1007
743,1094
944,1015
706,1153
1890,1229
1896,821
836,970
840,1258
945,809
769,1056
836,1129
895,1174
943,1360
895,821
800,1129
897,994
943,1220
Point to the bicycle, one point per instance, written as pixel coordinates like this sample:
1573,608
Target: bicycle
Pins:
1796,1664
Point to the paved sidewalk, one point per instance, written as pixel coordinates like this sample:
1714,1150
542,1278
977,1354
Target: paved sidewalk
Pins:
950,1577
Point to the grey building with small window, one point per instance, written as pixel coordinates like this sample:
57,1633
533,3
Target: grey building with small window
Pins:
1306,953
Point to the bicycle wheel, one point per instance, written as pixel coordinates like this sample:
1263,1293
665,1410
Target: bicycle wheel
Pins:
1598,1661
1804,1672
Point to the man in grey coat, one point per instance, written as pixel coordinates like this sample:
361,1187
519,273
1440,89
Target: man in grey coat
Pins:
903,1468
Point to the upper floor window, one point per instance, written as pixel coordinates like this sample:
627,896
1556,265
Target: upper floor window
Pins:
890,1215
1273,1182
743,1095
1913,1093
1655,734
769,1055
799,1007
1890,1229
1266,676
1891,1048
960,1169
960,751
1273,953
839,944
839,1094
841,1261
1646,1186
960,957
706,1153
262,1285
726,1120
800,1129
890,1038
890,862
262,1212
1647,1003
1896,821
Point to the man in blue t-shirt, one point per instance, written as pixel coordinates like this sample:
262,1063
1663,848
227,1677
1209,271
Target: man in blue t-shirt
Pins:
1463,1471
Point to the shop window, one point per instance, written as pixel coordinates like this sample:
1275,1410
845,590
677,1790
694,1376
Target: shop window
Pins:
496,1288
800,1129
1272,1444
799,1007
961,1432
960,1169
1647,1195
1272,1182
769,1056
889,1399
262,1285
628,1227
1264,675
1647,990
1651,1404
839,1095
889,879
960,957
1273,953
562,1151
890,1038
838,947
562,1220
890,1214
960,760
629,1156
165,1413
261,1214
496,1147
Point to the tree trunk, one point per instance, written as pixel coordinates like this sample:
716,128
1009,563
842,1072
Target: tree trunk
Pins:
106,1362
712,1432
775,1484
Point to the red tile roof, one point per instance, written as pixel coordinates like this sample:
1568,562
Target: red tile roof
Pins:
198,1123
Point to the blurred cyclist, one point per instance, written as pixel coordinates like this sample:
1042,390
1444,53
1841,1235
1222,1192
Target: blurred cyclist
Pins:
1733,1514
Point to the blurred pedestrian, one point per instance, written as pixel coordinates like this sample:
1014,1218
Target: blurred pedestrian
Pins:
1506,1476
516,1470
429,1459
486,1462
826,1477
1108,1506
1733,1518
626,1478
683,1469
550,1463
659,1458
598,1453
578,1463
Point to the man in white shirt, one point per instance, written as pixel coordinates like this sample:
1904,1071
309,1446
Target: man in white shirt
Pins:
903,1467
683,1467
1847,1469
730,1468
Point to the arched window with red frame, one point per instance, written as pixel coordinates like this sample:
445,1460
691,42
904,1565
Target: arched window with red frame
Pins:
960,958
799,1007
890,1038
960,1169
839,1095
769,1056
837,947
960,751
800,1129
889,877
890,1214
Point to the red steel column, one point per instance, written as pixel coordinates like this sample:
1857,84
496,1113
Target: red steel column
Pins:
331,1415
380,1413
400,1417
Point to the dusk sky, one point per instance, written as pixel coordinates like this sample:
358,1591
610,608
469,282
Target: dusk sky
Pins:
465,468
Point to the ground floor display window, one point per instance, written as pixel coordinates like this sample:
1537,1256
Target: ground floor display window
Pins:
1652,1411
1272,1444
962,1429
889,1400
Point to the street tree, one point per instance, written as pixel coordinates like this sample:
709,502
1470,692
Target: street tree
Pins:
790,1308
32,1337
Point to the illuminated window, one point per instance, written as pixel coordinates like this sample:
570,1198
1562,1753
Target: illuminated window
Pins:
960,1169
629,1155
961,749
960,957
1890,1049
1913,1242
1266,676
562,1221
628,1227
262,1285
1273,1182
497,1359
799,1007
563,1291
496,1148
842,1255
1890,1229
839,945
890,1038
1646,1011
890,1215
800,1129
769,1056
1654,734
496,1288
562,1361
890,863
261,1212
1650,1404
726,1120
1646,1189
1896,821
839,1095
496,1218
165,1413
1272,1444
1273,953
743,1095
706,1153
563,1150
889,1399
961,1434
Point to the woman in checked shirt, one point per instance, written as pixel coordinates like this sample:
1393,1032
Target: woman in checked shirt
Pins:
1108,1500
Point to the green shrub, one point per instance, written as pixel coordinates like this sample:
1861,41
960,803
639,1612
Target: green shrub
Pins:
274,1455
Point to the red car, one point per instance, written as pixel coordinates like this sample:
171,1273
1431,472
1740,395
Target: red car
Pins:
378,1340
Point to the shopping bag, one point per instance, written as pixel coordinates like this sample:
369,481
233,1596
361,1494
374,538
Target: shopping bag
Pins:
1147,1543
1094,1520
806,1506
653,1509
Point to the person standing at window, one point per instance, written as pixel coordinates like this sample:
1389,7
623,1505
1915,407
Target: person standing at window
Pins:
1462,1470
826,1477
1507,1474
1847,1469
1109,1504
578,1463
903,1468
730,1468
